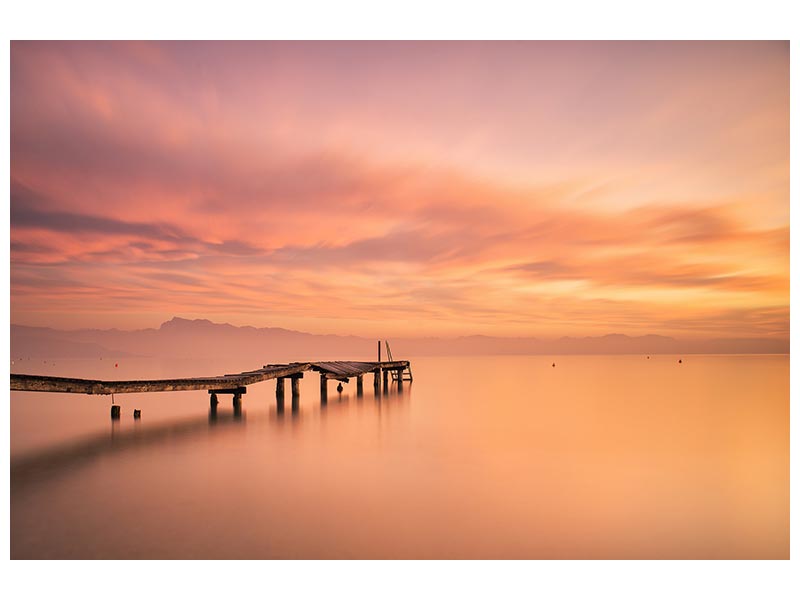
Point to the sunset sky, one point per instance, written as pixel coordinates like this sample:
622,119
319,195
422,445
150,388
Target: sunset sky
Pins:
510,189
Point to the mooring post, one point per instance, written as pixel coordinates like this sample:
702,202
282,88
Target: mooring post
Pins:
279,396
360,385
115,412
323,387
214,401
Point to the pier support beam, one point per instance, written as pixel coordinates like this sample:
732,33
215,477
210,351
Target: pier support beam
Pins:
237,400
279,393
323,388
213,401
385,380
296,392
400,378
360,386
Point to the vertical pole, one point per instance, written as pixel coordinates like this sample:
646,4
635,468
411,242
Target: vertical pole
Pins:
400,379
376,381
360,386
237,405
379,351
214,401
295,388
323,388
386,380
279,394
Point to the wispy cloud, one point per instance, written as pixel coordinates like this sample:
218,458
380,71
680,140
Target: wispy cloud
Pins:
252,183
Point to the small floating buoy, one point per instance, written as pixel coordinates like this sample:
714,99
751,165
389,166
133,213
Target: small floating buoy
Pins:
680,361
137,413
339,388
648,358
554,364
116,365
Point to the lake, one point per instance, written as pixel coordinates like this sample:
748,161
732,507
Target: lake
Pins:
619,457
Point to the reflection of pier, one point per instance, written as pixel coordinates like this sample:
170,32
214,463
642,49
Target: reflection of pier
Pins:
234,384
33,466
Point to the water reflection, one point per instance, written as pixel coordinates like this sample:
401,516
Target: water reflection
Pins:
62,458
497,457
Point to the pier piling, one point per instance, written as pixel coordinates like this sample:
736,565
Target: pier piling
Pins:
296,386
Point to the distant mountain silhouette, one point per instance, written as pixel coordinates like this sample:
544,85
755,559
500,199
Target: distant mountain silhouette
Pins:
201,338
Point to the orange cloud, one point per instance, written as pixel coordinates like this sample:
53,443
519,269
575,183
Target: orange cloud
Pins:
252,183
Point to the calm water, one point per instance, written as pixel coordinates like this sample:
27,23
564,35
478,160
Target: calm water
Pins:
481,457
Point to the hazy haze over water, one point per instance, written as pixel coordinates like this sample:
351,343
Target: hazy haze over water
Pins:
481,457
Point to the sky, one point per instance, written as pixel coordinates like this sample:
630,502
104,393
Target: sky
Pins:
403,188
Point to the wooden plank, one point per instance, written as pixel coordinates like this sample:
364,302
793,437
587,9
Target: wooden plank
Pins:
40,383
341,370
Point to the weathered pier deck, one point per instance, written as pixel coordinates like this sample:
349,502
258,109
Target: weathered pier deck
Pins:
234,384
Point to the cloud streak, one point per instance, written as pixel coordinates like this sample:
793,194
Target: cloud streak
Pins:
259,189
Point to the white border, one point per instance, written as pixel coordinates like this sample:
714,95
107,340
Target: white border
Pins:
412,19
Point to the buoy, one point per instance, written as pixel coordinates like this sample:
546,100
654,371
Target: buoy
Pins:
680,361
116,365
648,358
554,364
339,388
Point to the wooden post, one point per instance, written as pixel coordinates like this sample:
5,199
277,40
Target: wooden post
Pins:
400,378
386,380
279,395
379,351
115,412
296,392
137,413
376,382
360,385
214,401
237,400
323,387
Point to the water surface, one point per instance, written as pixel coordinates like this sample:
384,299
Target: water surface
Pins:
481,457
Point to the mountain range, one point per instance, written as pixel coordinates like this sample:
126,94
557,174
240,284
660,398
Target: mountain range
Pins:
201,338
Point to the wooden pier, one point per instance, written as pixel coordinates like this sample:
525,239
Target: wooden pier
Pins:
234,384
